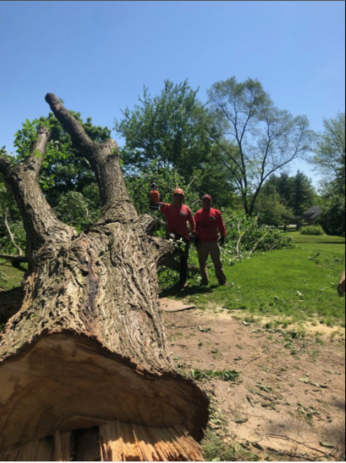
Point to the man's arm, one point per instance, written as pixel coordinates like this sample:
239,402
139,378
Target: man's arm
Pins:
163,207
197,221
222,227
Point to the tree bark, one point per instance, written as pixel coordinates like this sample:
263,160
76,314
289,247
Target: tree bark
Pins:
86,352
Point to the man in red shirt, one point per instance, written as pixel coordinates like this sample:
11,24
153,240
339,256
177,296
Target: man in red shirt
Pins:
177,216
208,222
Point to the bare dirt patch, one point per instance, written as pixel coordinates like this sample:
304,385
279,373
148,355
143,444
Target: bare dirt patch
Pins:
290,395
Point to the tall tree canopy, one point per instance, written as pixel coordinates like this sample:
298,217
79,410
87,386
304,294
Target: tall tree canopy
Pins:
170,133
256,138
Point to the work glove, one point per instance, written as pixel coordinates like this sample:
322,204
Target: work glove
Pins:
222,240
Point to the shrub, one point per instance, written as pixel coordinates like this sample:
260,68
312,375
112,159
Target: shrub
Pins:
313,230
333,217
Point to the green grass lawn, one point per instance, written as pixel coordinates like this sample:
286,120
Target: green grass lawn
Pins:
10,277
296,284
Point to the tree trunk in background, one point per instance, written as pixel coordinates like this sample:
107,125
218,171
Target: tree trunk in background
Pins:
84,369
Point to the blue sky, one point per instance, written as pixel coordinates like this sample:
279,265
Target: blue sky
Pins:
97,56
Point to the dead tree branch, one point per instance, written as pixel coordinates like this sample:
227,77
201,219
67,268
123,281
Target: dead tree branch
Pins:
20,252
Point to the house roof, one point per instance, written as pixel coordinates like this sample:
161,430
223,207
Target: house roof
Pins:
313,212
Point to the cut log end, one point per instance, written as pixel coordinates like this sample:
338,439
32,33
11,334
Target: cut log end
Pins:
114,441
64,385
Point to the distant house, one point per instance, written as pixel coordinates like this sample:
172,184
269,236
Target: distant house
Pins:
312,214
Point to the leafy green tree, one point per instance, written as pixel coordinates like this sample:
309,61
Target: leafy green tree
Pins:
256,138
330,154
333,217
271,207
284,199
9,217
64,169
169,129
303,195
171,132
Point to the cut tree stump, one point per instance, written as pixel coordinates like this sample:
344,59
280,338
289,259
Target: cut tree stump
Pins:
84,370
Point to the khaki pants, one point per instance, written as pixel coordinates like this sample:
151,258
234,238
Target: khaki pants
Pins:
212,248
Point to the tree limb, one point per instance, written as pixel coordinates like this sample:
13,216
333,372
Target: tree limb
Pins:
242,234
105,162
40,221
14,259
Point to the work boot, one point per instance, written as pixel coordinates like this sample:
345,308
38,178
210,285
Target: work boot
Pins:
224,283
182,285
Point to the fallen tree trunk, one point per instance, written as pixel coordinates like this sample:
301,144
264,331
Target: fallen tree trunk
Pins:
86,354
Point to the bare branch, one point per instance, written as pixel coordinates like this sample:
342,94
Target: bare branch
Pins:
70,124
258,243
35,160
20,252
242,234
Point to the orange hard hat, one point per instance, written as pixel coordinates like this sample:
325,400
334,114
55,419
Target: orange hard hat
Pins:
178,191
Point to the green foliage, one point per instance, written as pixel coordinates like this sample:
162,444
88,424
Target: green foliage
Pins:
255,236
312,230
138,185
7,203
284,199
79,209
226,375
333,217
11,277
272,209
63,169
215,449
169,129
66,178
169,134
302,195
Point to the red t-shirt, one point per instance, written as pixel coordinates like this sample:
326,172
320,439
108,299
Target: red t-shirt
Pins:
208,223
177,218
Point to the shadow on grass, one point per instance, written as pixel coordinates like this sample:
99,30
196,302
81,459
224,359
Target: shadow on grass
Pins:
188,291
